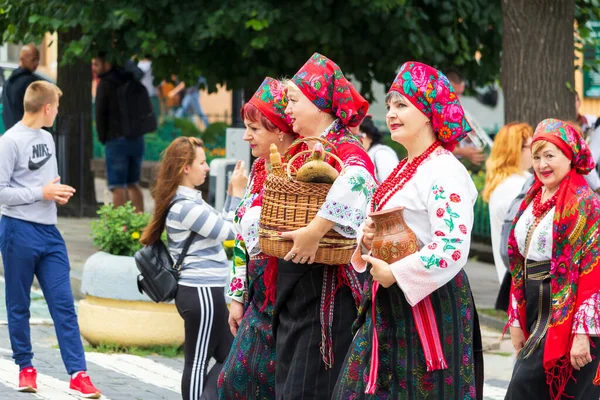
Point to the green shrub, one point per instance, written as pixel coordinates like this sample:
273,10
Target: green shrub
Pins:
187,127
214,135
117,230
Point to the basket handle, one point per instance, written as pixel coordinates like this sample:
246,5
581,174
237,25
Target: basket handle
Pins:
316,139
291,161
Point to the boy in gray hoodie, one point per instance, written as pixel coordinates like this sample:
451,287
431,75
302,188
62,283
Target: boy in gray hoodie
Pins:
30,243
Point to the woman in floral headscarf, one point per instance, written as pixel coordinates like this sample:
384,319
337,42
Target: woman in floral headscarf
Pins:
418,334
316,304
249,371
554,256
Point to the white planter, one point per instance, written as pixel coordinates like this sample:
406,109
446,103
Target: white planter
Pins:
115,312
111,277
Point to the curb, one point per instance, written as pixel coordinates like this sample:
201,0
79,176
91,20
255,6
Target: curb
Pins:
482,251
491,322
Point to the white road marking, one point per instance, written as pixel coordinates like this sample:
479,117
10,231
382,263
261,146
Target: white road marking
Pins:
139,368
49,388
33,321
493,393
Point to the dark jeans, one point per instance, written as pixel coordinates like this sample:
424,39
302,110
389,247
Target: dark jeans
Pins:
124,158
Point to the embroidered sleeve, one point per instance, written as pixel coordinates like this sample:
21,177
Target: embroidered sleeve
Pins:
450,210
237,285
585,320
347,201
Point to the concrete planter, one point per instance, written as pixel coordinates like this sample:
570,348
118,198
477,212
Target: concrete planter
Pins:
115,312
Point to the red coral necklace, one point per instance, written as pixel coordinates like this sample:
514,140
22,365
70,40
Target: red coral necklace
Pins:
259,174
396,180
540,209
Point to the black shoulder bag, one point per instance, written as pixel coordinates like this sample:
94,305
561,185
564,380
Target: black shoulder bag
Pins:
158,275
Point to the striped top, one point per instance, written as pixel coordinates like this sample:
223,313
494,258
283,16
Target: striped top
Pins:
206,263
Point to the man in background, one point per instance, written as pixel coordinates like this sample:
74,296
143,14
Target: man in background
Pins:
123,153
14,88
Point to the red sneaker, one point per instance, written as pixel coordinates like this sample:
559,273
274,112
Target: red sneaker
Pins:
83,386
27,378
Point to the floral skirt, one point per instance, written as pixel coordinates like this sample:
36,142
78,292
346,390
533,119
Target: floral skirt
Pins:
402,369
249,371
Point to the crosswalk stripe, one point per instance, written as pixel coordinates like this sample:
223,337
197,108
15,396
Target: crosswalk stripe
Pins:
33,321
493,392
49,388
140,368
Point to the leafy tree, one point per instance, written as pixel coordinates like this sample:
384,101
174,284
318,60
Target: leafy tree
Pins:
236,42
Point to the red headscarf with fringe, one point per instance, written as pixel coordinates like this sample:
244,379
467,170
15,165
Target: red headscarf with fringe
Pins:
574,270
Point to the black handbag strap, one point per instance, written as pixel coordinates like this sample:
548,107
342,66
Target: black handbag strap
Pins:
187,244
186,247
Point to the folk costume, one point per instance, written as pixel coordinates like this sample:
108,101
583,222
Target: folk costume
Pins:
420,338
554,256
249,371
317,304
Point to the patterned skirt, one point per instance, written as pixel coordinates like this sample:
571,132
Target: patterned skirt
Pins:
402,369
249,371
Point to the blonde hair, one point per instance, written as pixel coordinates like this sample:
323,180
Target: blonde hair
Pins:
38,94
505,157
538,146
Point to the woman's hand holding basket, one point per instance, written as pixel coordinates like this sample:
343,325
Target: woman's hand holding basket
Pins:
306,240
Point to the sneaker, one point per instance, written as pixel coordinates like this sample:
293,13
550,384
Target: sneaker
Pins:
83,386
27,380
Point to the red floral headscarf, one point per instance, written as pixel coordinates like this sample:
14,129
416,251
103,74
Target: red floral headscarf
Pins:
322,81
271,101
431,92
569,141
574,267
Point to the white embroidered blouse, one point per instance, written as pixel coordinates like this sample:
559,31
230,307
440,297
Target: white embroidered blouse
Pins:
438,207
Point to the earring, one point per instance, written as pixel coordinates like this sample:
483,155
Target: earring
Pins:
281,138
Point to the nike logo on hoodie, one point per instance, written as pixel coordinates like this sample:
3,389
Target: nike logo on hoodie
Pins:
39,150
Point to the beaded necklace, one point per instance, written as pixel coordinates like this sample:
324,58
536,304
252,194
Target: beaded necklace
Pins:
397,179
540,209
259,175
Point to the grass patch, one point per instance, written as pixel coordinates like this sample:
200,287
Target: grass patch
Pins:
163,351
491,312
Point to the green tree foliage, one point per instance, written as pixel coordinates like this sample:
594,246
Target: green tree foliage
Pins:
240,42
236,42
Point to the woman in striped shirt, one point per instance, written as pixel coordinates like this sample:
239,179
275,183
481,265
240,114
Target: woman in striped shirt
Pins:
205,271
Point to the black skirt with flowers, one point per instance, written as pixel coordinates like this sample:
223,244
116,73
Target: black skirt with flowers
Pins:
402,370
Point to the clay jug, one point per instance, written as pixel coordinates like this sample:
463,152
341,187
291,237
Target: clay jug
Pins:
393,239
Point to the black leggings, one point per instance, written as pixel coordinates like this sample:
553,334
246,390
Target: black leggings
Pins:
206,335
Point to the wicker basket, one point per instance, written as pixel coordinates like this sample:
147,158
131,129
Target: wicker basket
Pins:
289,205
